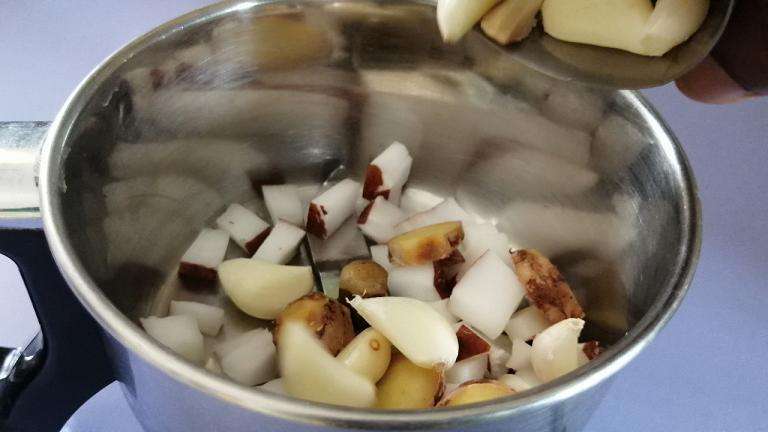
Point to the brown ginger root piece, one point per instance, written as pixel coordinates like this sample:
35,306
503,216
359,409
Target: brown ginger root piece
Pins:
407,386
329,319
545,287
364,278
426,244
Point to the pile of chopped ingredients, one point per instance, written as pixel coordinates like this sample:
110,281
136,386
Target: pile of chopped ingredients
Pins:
445,312
637,26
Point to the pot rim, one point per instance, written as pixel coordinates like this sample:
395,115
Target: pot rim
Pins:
134,338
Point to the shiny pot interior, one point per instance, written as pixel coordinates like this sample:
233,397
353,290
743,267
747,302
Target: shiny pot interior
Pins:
248,93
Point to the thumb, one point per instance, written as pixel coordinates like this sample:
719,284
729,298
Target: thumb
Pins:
738,66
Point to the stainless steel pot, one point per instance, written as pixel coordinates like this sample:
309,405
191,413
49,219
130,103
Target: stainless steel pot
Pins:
201,110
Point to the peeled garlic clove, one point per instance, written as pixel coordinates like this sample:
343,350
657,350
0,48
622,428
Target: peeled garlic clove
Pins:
476,392
209,318
413,327
671,23
511,20
368,354
310,372
614,24
554,351
179,333
263,289
456,17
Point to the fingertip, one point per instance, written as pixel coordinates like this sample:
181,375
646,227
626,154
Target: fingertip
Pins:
709,83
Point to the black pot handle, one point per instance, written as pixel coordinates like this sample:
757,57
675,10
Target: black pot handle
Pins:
43,384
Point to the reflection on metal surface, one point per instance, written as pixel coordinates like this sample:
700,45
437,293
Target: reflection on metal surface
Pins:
17,367
20,144
146,164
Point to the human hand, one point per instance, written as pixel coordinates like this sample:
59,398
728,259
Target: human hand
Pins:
737,68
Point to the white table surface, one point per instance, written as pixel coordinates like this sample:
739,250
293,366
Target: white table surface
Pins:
705,372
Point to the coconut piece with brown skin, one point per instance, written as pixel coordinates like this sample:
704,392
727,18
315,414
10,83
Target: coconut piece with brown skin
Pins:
470,343
329,319
283,203
281,244
387,173
487,295
472,361
545,286
246,228
204,255
328,211
417,282
378,220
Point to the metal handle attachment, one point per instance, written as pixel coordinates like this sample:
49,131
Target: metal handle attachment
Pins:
42,384
20,144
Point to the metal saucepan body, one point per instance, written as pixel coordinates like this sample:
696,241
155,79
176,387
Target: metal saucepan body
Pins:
204,109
